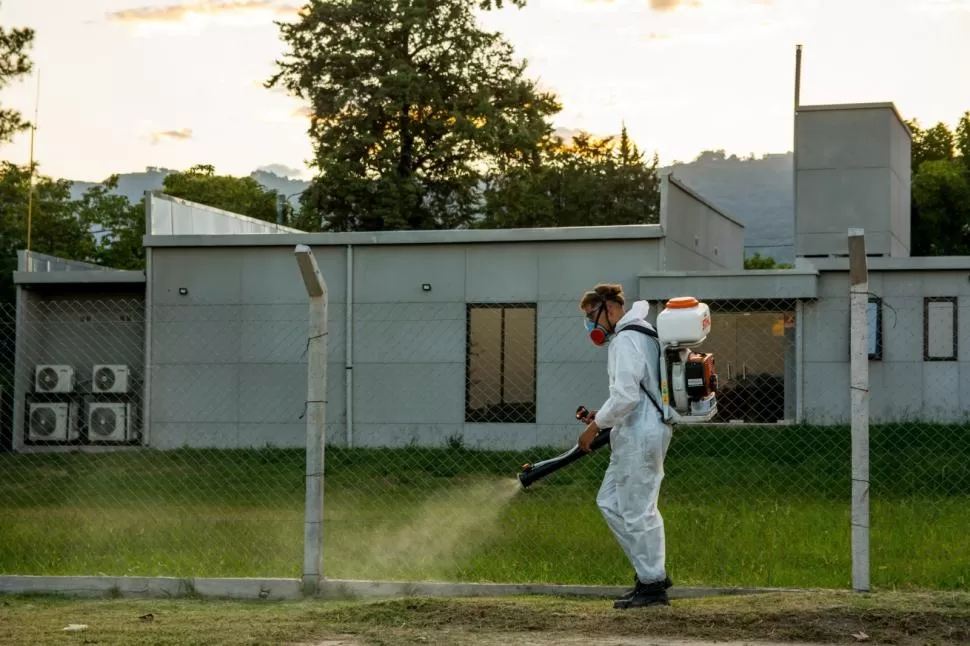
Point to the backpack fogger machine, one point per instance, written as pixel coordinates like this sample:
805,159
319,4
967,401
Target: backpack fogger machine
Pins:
688,380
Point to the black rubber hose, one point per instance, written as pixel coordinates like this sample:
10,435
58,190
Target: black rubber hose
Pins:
530,473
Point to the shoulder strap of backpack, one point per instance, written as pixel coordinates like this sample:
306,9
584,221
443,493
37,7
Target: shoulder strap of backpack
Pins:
652,334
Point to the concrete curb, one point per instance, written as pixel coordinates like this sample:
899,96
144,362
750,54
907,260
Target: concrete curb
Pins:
278,589
148,586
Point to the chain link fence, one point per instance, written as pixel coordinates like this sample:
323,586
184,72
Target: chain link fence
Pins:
78,493
448,401
919,435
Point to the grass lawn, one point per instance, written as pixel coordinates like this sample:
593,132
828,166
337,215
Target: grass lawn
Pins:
744,506
905,619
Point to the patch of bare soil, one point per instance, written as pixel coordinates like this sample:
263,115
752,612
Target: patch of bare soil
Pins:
548,639
805,618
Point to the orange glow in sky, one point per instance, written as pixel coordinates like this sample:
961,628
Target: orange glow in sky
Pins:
127,84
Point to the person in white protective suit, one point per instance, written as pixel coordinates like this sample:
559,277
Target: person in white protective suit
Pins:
638,440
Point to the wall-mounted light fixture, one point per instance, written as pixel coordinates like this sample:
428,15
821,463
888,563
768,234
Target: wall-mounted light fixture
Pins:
183,291
426,287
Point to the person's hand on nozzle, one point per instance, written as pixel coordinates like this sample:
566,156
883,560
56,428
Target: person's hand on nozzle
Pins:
586,439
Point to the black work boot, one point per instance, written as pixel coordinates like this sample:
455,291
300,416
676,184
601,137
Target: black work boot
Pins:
645,594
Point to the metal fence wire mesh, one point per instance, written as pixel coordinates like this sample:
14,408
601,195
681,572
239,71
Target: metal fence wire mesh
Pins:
448,400
80,497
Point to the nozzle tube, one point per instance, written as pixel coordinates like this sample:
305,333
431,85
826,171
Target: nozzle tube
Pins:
532,472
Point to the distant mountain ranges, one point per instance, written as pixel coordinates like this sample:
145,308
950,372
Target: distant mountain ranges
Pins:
756,191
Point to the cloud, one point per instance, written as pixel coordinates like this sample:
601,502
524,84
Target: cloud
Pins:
941,6
282,170
670,6
204,9
568,134
171,135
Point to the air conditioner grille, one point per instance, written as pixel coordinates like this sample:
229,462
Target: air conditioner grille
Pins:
103,421
105,378
47,378
43,421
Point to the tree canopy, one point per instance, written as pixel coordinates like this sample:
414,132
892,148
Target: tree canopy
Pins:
940,191
15,63
413,104
242,195
585,182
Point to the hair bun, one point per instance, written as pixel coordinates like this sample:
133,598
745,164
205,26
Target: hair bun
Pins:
611,292
602,293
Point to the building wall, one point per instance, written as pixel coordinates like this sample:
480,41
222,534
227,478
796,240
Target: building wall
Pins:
167,215
81,326
905,385
698,235
228,364
852,169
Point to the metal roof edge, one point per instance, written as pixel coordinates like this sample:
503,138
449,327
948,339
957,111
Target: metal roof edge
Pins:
449,236
79,277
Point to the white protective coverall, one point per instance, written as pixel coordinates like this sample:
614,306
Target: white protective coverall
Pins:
638,446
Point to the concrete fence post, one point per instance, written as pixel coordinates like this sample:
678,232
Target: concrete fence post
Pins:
859,389
316,409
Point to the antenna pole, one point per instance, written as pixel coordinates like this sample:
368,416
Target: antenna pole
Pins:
30,194
794,150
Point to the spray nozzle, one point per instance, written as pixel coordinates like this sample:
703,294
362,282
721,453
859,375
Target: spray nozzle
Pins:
532,472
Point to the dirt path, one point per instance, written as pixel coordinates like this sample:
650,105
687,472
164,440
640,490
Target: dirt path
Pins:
791,619
532,639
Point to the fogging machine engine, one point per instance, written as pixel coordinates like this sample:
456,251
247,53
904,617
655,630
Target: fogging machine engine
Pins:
688,376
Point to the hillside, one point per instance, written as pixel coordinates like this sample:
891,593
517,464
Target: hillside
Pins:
758,192
134,185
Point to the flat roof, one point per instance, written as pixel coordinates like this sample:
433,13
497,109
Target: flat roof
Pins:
448,236
885,105
731,284
78,277
883,263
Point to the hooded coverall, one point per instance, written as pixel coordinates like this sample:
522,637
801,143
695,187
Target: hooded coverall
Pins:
638,446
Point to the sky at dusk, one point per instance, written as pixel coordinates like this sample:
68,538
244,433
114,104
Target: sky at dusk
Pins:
126,84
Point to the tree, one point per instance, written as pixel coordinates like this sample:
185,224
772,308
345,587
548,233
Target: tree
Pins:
412,105
242,195
941,208
586,182
757,261
15,63
55,229
932,144
120,223
963,138
940,195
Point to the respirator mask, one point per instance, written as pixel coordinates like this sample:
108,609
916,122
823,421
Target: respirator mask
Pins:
598,334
